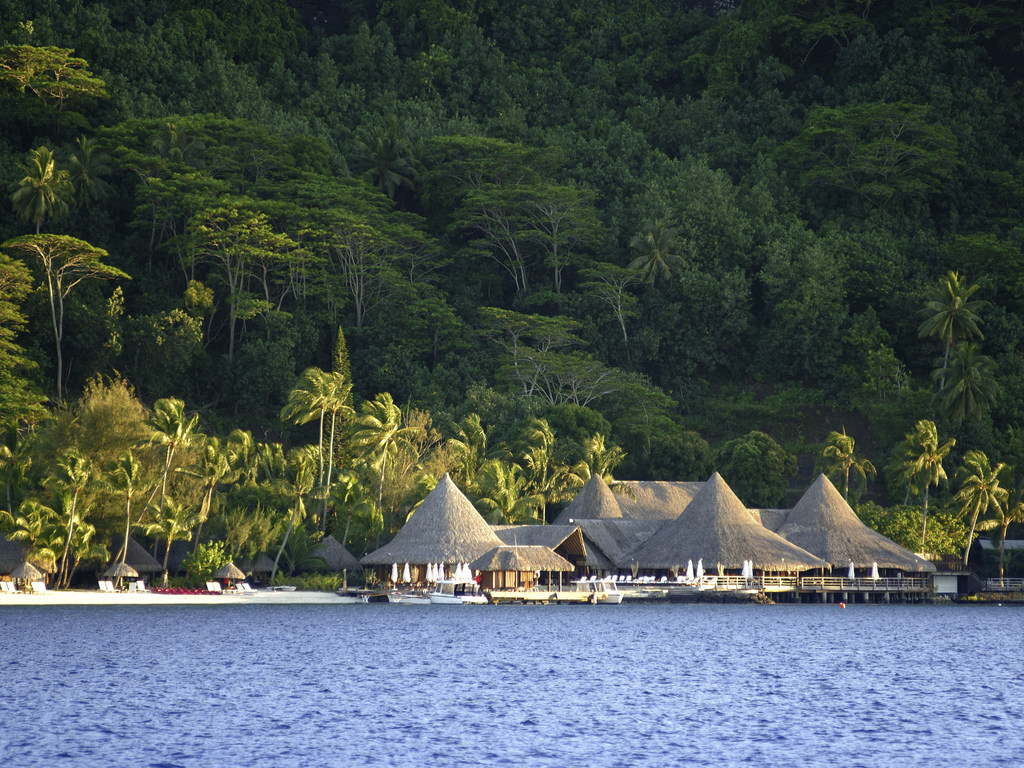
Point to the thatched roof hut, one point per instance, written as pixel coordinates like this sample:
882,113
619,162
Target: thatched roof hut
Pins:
824,524
140,559
25,571
261,564
654,500
610,541
121,570
229,571
565,540
334,555
717,528
772,519
12,554
595,501
445,528
522,559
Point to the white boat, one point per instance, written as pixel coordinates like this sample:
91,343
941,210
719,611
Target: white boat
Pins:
408,598
457,592
599,592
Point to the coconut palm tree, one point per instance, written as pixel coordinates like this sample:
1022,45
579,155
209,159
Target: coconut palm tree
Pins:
73,474
213,468
14,461
173,520
549,479
301,479
979,491
89,164
500,490
657,248
837,458
31,525
599,459
1011,512
468,449
171,428
44,190
379,434
952,315
387,156
125,478
919,463
968,387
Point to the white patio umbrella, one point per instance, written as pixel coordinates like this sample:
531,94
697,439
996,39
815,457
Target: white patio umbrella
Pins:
432,572
394,573
700,568
406,573
851,574
689,570
874,570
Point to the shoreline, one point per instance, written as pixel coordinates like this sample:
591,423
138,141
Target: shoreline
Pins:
87,597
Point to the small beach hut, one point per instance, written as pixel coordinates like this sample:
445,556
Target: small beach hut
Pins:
119,571
335,556
228,573
260,567
824,524
720,533
25,572
516,567
445,528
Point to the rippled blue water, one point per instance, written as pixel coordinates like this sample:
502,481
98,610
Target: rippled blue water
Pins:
511,686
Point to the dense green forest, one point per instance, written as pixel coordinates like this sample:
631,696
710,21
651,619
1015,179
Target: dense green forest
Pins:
265,276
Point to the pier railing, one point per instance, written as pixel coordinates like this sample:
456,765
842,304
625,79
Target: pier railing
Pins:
1004,585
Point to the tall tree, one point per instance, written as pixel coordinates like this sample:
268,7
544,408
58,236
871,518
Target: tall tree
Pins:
952,315
919,463
89,164
126,479
968,384
379,434
173,520
838,458
657,251
71,477
44,190
979,491
212,467
172,429
301,480
20,398
65,262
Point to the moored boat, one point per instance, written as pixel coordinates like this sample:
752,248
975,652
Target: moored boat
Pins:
598,591
408,598
457,592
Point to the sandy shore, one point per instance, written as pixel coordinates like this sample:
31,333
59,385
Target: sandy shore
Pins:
95,597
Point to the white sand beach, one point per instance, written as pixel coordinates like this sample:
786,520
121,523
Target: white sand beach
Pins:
67,597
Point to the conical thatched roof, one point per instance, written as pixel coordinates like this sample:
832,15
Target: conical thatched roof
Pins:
229,571
717,528
595,501
139,559
121,571
654,499
26,571
261,564
772,519
445,528
823,523
522,559
334,554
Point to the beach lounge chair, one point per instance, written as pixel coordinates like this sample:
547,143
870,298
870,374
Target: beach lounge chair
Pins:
213,586
104,586
38,586
244,586
6,586
140,586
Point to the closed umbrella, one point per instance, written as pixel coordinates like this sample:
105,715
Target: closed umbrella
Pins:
700,568
689,570
394,573
406,573
851,574
430,573
874,570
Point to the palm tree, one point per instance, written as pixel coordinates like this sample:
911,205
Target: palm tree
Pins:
170,428
951,315
242,455
979,491
125,478
920,462
14,462
172,520
301,479
89,165
468,449
387,156
548,478
1011,512
72,476
44,190
599,459
31,525
838,458
968,387
379,435
657,248
501,494
213,468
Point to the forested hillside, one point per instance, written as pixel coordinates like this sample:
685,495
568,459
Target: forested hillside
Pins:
520,242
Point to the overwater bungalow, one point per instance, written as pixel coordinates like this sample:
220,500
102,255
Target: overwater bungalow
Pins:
445,528
516,568
564,540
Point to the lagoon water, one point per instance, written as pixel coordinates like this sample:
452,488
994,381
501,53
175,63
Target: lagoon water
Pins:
652,685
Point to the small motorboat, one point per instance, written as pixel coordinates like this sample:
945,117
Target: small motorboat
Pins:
600,591
457,592
408,598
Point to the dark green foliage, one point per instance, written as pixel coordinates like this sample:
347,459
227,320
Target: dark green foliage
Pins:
757,468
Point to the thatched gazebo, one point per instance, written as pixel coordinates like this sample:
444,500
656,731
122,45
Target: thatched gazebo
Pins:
228,573
121,571
715,527
141,560
515,567
335,556
445,528
25,572
823,523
